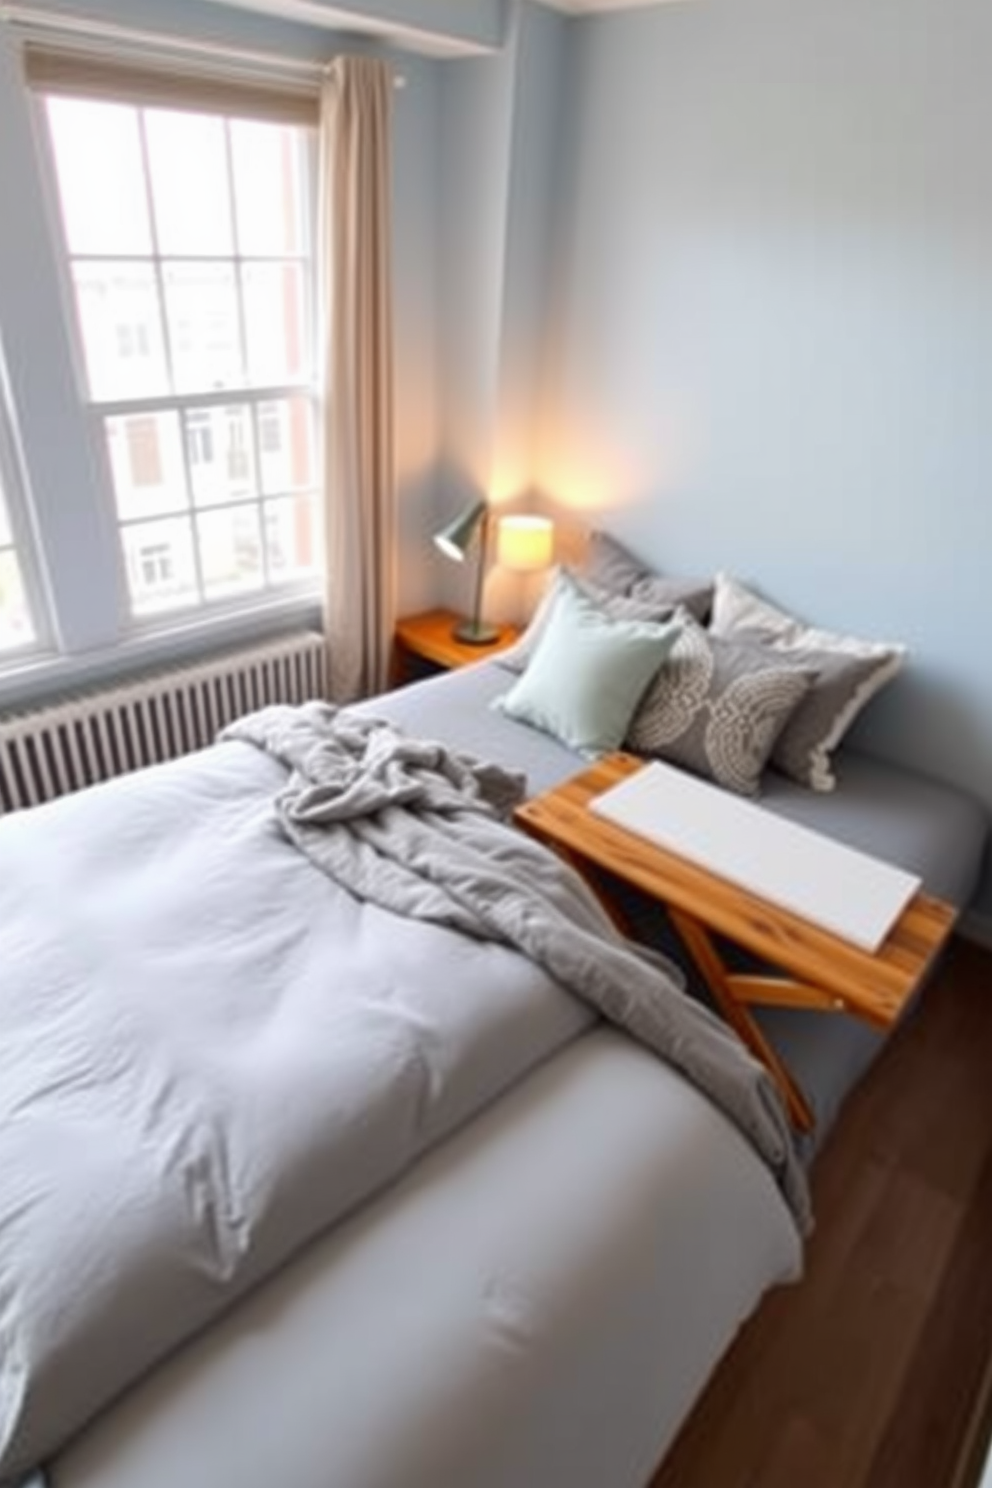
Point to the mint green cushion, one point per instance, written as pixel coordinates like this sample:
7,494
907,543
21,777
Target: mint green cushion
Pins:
588,673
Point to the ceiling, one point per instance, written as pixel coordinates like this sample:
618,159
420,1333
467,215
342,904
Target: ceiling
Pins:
464,29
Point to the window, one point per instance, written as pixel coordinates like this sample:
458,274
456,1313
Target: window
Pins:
188,244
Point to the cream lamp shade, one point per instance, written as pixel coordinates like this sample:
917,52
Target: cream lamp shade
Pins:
525,544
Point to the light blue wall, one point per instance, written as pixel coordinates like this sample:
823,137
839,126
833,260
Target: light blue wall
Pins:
532,201
498,148
771,341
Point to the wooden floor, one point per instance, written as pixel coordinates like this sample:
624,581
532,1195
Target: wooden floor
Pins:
867,1374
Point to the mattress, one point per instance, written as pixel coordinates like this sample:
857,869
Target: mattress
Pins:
538,1303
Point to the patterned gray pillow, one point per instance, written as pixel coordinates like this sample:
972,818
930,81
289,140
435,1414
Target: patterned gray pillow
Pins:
717,707
844,683
612,566
850,671
616,606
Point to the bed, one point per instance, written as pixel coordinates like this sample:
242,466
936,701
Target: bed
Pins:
541,1237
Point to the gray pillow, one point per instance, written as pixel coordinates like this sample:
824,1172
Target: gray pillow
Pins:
615,606
611,566
717,707
850,671
587,674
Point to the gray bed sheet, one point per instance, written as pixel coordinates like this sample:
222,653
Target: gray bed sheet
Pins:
920,824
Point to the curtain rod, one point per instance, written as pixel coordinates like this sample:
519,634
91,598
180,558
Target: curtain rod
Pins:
90,33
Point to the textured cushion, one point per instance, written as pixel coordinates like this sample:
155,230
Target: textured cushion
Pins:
849,674
615,606
609,565
587,673
717,707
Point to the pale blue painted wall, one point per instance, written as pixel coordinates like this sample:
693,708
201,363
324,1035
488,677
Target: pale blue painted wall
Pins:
771,341
498,150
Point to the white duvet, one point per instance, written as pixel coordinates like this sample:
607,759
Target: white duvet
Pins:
208,1053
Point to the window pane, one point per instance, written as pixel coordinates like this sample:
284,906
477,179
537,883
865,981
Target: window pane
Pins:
269,183
187,157
230,551
202,309
274,322
6,540
100,174
161,571
285,444
146,459
221,454
291,539
121,328
15,621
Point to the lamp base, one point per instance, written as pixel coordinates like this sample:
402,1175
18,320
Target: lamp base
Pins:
475,633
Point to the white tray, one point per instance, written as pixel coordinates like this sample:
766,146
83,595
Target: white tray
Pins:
847,892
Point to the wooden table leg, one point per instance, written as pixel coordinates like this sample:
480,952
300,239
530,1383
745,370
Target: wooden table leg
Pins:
699,944
701,948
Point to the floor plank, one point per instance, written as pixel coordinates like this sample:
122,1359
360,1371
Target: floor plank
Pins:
867,1373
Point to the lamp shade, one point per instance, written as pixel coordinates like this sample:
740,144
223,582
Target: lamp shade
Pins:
468,531
525,544
455,540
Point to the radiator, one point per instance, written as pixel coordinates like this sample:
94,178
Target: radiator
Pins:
92,736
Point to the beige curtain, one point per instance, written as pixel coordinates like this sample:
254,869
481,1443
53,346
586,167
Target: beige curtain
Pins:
359,479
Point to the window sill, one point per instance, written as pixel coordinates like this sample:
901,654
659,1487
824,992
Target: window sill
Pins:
38,679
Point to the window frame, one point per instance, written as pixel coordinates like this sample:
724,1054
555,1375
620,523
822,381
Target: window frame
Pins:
13,493
70,556
270,592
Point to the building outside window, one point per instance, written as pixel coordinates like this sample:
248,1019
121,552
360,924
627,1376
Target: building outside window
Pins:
156,564
133,341
188,243
144,456
200,437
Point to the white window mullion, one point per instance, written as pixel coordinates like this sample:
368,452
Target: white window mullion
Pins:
156,255
239,282
188,474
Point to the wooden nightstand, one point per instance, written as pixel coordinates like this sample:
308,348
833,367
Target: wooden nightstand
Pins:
424,643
